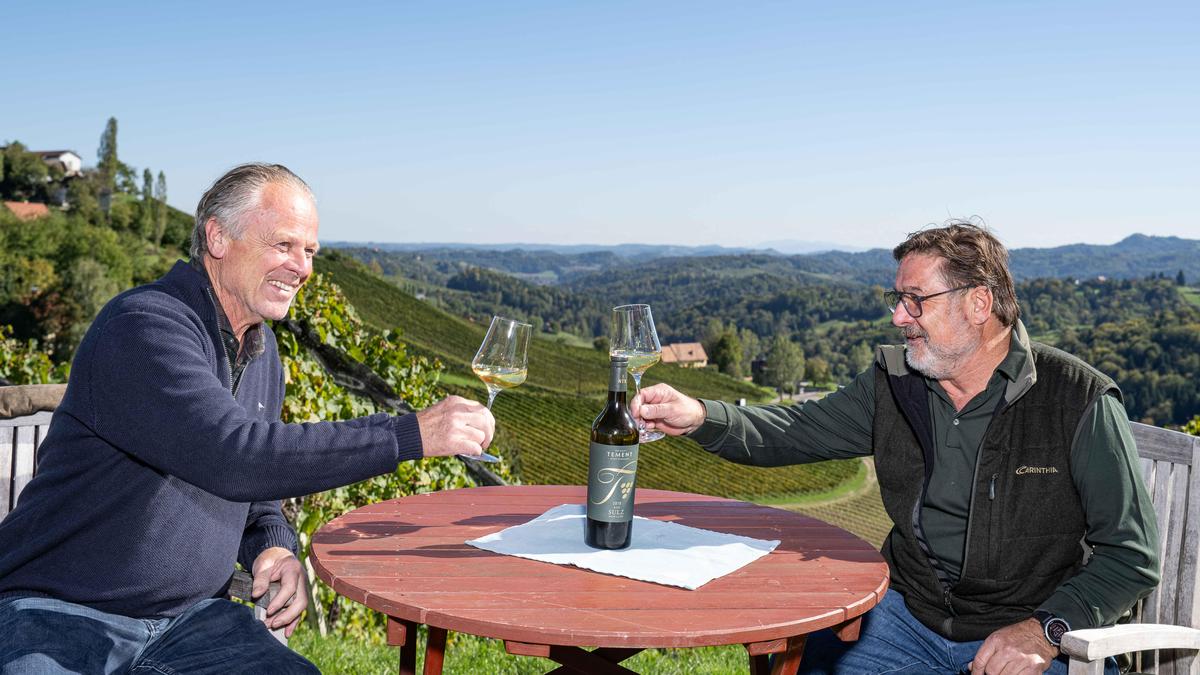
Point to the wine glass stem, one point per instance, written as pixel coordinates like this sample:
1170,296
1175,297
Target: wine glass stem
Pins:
492,396
637,389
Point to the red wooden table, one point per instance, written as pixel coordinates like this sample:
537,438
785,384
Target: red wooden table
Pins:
407,558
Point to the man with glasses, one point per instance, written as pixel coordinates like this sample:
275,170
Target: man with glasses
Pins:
1007,467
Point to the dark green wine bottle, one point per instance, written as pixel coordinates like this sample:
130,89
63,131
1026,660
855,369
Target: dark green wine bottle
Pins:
612,466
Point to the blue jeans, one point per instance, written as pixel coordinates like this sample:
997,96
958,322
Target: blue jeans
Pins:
893,641
43,636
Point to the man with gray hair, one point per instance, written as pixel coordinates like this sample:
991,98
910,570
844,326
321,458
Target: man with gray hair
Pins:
166,460
996,457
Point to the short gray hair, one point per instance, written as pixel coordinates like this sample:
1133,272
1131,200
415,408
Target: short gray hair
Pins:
235,193
971,256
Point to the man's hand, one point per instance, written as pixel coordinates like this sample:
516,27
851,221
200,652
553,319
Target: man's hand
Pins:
279,564
455,426
1019,648
664,408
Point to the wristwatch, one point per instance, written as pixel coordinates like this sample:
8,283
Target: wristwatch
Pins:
1053,627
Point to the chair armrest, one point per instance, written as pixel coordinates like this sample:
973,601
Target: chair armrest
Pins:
1092,644
240,587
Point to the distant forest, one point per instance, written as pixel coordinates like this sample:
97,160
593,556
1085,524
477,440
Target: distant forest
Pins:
1120,307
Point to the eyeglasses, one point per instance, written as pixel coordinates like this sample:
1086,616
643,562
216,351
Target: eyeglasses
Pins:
912,301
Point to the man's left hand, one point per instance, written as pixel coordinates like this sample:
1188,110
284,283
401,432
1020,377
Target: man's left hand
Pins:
279,564
1016,649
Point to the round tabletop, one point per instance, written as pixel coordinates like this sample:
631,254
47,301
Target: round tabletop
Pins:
407,558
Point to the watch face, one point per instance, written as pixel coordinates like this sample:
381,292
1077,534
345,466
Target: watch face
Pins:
1056,628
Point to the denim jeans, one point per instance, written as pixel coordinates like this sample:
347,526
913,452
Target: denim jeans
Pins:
43,636
893,641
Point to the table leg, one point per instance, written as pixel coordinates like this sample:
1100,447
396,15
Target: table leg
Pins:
787,653
403,634
604,660
849,631
435,651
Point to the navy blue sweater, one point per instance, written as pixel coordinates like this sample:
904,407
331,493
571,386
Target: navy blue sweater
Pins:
155,477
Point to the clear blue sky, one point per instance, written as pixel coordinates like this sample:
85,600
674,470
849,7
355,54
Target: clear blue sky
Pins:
651,122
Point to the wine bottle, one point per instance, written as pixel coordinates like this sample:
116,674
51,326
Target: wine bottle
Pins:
612,466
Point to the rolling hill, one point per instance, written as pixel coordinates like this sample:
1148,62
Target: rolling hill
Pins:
543,425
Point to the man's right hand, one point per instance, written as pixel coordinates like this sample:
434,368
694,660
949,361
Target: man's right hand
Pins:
664,408
455,426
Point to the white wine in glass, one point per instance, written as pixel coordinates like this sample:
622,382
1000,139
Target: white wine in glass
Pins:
502,361
639,362
634,337
498,378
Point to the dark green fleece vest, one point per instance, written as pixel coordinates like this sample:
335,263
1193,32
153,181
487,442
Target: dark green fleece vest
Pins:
1026,523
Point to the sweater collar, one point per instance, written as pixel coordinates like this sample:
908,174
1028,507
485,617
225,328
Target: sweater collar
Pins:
192,280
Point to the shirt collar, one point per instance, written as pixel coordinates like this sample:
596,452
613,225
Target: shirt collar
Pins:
1014,361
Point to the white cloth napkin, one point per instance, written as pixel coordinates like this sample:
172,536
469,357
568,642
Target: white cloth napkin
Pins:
662,552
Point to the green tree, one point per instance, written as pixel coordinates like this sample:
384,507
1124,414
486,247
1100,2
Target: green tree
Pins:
107,163
713,329
83,199
817,371
23,279
148,221
860,357
160,199
1180,279
124,213
89,288
126,179
752,347
727,354
23,362
25,174
1193,427
785,364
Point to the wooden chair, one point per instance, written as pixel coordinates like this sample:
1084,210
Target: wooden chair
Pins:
20,437
1166,620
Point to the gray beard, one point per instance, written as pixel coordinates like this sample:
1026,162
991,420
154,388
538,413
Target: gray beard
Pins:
937,362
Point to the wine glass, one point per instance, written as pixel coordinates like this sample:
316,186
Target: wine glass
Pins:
502,360
634,337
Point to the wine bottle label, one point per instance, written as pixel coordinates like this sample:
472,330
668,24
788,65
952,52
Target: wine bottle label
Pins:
612,470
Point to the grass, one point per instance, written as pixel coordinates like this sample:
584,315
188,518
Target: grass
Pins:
1191,294
847,487
470,655
569,339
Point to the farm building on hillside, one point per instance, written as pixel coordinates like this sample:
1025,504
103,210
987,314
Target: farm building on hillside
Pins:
687,354
28,210
70,163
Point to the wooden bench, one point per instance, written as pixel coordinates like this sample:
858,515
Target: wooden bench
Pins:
1165,621
20,437
19,440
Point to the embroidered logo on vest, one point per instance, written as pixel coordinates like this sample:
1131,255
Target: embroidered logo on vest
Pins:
1024,470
